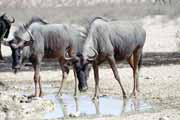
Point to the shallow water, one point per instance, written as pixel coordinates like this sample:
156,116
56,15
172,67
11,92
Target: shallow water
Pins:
67,105
107,106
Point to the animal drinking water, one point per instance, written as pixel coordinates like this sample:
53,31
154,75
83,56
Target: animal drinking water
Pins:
45,41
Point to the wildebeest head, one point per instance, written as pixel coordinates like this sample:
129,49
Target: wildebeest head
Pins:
82,66
21,38
4,18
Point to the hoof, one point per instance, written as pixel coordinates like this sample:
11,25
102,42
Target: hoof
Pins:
36,98
76,114
95,98
59,94
125,96
41,95
33,97
30,96
83,89
135,94
75,96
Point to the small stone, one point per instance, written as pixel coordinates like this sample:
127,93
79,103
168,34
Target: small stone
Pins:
164,118
5,108
147,77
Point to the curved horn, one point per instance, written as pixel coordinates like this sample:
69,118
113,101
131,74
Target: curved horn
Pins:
92,58
66,55
7,18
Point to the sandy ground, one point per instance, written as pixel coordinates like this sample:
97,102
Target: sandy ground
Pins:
161,34
159,85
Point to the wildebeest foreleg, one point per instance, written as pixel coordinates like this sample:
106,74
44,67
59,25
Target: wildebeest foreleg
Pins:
131,63
112,63
37,81
65,71
75,77
36,65
96,104
96,78
64,77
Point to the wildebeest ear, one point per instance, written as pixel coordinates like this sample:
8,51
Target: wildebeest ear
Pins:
28,43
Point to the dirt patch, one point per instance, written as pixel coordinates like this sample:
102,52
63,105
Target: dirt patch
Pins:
159,87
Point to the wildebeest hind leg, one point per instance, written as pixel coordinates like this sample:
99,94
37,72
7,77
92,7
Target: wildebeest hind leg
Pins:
36,79
136,59
96,78
130,61
36,65
40,88
112,63
75,77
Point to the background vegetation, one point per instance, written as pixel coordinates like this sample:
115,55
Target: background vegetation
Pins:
78,11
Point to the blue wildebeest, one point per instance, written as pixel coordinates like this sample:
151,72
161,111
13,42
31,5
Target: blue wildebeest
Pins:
111,41
46,41
5,25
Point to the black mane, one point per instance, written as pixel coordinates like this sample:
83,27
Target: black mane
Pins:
92,20
98,17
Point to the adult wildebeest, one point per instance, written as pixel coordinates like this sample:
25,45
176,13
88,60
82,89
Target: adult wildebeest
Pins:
111,41
46,41
5,25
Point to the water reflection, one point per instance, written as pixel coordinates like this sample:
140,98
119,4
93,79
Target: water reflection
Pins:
83,106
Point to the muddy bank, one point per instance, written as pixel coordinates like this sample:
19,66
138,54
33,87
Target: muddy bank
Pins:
159,87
